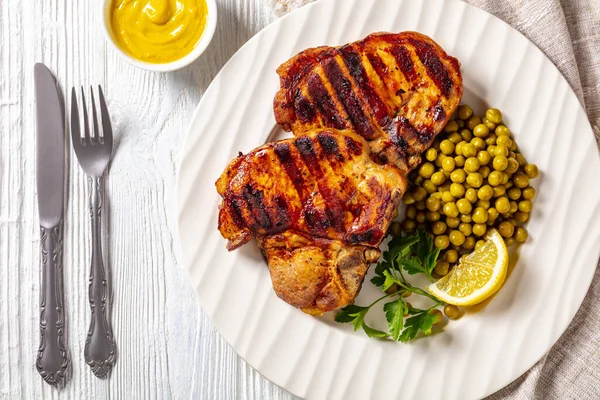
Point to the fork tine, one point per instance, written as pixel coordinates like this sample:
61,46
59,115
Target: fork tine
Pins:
106,127
95,119
75,127
86,122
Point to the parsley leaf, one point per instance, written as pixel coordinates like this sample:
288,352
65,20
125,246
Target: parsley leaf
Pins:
352,313
422,321
414,254
394,314
373,333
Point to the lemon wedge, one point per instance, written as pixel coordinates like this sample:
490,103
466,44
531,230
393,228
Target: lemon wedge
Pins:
477,275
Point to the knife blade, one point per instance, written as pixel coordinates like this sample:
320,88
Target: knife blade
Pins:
52,359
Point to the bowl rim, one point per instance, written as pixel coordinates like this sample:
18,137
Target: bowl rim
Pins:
203,42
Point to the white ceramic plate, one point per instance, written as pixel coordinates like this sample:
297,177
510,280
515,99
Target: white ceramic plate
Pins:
476,355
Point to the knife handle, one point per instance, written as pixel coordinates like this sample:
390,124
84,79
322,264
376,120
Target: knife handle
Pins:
52,359
100,348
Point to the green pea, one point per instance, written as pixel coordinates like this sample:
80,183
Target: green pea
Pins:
473,121
432,216
484,157
500,150
495,178
471,195
408,198
468,150
480,215
458,147
438,228
446,147
459,161
502,204
505,178
448,164
521,217
433,204
521,235
451,210
475,179
481,131
479,143
419,193
492,214
420,205
447,197
441,267
466,134
532,171
484,171
524,206
502,130
494,115
429,186
442,241
411,212
500,163
457,190
469,243
431,154
528,193
420,217
466,229
451,256
513,165
513,146
464,111
438,178
506,229
503,141
458,176
499,191
439,159
485,192
479,229
451,126
521,160
472,164
464,206
455,137
452,222
514,193
483,204
456,237
408,225
490,125
520,180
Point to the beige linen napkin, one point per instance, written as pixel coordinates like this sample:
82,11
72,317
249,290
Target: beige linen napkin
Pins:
568,31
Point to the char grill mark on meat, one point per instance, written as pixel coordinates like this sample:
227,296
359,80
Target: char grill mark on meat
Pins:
317,196
384,87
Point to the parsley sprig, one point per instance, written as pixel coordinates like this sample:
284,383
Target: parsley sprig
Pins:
411,254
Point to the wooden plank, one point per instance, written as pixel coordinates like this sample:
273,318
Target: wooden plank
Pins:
167,347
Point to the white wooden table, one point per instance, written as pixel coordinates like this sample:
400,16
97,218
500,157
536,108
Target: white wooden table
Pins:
167,347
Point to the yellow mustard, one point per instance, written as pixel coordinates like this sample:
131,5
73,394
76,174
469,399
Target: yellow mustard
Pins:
158,31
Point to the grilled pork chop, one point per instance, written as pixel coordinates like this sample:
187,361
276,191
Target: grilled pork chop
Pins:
395,90
318,206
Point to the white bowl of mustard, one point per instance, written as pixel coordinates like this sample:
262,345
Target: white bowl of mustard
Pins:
159,35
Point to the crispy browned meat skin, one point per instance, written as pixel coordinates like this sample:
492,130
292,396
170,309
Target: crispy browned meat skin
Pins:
318,206
395,90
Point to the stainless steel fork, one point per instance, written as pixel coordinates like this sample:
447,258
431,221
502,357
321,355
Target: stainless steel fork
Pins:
94,154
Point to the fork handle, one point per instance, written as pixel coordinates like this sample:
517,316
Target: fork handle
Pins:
100,348
52,360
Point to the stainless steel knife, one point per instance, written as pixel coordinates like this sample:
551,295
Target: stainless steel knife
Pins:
52,359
